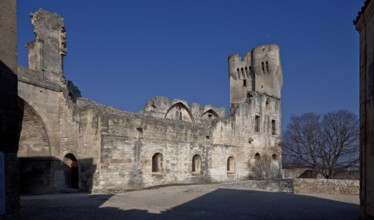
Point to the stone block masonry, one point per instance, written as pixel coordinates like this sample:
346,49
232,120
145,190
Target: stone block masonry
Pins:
9,111
73,142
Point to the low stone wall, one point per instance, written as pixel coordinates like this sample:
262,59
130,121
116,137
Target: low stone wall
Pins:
326,186
272,185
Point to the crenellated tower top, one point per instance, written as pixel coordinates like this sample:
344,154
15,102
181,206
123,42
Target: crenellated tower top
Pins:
259,71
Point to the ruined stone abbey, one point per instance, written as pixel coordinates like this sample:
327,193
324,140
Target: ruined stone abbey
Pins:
68,141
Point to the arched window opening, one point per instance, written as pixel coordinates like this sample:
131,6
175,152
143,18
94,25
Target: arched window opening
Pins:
230,165
274,156
196,164
257,156
209,115
71,171
157,163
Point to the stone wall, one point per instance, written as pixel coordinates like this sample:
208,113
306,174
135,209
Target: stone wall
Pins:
328,186
9,111
168,142
365,26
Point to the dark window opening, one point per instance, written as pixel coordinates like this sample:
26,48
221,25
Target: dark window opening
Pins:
157,163
273,129
267,66
274,156
244,82
238,73
263,67
257,156
249,95
257,123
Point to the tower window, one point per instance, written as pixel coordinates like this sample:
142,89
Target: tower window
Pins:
267,66
257,156
244,82
249,95
274,156
273,130
238,73
257,123
263,67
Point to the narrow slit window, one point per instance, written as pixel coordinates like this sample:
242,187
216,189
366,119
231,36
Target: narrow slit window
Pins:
257,123
244,82
273,129
238,73
267,66
263,66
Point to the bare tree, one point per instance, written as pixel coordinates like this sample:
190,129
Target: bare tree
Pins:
328,144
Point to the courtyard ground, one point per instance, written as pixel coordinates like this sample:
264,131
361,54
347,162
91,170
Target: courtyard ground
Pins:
215,201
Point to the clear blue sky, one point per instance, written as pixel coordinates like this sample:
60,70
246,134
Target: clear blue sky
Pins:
122,53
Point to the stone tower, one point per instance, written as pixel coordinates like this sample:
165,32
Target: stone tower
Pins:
255,106
255,86
260,71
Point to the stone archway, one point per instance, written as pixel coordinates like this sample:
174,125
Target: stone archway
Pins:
71,171
35,161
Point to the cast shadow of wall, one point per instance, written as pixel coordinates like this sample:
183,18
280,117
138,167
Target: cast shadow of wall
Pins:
218,204
40,175
10,110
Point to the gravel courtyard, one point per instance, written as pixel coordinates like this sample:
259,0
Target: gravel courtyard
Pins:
215,201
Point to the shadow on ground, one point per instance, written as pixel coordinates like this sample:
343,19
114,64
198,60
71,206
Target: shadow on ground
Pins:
218,204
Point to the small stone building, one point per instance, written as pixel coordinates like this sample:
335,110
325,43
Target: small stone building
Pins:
68,141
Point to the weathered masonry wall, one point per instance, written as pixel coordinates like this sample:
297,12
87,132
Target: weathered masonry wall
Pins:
365,26
69,142
326,186
9,112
